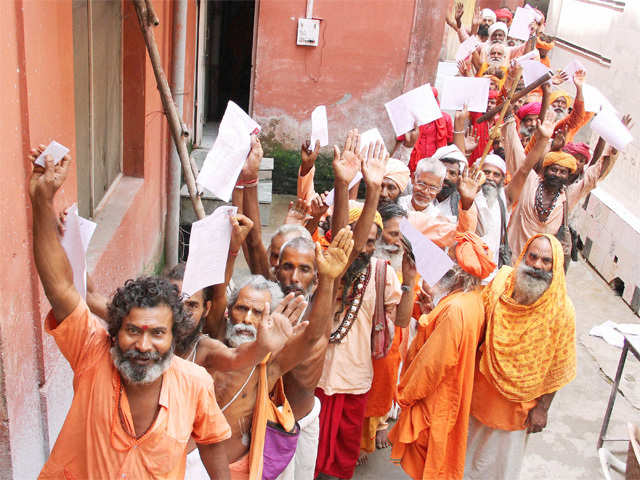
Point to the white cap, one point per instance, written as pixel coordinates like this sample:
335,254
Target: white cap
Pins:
498,26
496,161
451,152
488,13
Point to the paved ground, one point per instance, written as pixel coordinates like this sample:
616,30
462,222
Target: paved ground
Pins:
566,450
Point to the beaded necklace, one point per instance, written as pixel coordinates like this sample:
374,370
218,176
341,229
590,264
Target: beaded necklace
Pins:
355,299
542,211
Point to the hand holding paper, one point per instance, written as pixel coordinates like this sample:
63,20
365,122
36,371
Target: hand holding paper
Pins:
521,21
55,150
418,105
608,126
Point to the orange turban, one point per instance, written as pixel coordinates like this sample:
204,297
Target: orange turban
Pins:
556,94
473,255
563,159
398,172
354,215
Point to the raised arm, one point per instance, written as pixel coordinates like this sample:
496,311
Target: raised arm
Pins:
346,165
543,133
405,307
50,258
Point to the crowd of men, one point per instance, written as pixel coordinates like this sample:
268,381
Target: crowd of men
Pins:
335,336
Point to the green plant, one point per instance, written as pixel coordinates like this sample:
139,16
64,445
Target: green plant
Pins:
286,164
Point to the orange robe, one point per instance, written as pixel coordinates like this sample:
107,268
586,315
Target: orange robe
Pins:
430,437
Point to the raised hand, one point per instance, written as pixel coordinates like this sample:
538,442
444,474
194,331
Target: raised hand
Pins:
275,329
45,182
332,261
409,270
463,68
458,13
560,77
471,140
308,156
627,121
579,77
424,297
477,18
291,307
240,228
297,213
410,138
249,171
347,163
545,128
469,184
318,207
374,167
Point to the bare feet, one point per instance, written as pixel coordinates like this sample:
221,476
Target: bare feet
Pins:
363,458
382,441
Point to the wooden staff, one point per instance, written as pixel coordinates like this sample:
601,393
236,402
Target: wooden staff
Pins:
147,20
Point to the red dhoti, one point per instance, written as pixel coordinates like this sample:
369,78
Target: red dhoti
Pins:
341,417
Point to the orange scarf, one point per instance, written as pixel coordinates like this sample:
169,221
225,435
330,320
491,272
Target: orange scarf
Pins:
529,349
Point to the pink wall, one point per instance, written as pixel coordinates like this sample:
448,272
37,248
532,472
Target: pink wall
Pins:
359,64
38,81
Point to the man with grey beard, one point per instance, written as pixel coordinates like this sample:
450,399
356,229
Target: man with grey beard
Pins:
136,404
389,244
528,354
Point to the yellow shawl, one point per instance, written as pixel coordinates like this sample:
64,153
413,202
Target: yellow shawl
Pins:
529,349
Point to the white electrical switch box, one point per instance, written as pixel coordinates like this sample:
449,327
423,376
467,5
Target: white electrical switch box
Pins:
308,32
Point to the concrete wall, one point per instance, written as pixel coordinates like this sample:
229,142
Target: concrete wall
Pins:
610,221
37,79
360,63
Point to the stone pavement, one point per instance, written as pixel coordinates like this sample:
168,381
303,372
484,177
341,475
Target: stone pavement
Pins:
566,449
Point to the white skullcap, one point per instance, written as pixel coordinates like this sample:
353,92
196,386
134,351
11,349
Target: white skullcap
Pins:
496,161
488,13
498,26
451,152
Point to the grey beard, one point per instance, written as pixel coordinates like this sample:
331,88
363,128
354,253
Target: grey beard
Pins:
525,132
490,191
531,283
135,373
455,279
495,63
185,344
235,339
560,113
390,253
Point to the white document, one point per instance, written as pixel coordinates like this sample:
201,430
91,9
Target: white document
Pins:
371,136
466,48
532,71
520,24
608,126
56,150
572,67
538,16
208,250
75,242
319,127
460,91
329,199
418,105
532,55
225,160
594,100
431,261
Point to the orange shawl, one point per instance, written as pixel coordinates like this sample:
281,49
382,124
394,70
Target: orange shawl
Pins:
529,349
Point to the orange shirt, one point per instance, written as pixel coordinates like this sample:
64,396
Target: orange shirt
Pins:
93,443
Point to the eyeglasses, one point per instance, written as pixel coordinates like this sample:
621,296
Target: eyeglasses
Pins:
434,189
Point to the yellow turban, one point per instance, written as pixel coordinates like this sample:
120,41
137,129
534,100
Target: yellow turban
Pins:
560,93
354,215
563,159
529,350
398,172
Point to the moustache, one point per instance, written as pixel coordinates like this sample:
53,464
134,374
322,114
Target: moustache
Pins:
134,354
287,289
537,273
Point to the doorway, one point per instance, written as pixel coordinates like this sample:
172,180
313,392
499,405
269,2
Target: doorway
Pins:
225,62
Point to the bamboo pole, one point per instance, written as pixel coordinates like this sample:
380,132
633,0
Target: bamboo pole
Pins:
147,20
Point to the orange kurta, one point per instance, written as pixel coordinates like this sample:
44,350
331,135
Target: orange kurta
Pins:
429,439
93,442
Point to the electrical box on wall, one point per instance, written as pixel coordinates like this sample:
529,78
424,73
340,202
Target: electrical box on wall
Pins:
308,32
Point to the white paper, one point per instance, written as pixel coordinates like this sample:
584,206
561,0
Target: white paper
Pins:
520,24
594,100
75,242
229,152
208,250
572,67
466,48
329,199
371,136
608,126
460,91
56,150
532,71
538,16
532,55
418,105
319,127
431,261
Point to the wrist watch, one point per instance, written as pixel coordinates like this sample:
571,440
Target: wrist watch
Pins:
405,288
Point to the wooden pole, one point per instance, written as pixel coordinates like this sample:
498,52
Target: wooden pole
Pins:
147,20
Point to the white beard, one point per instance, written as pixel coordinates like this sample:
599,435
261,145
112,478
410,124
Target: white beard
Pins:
238,334
382,252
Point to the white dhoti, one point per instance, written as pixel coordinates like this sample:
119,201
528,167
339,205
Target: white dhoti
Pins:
303,464
195,469
492,453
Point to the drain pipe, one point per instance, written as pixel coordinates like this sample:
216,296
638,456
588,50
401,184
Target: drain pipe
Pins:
173,178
